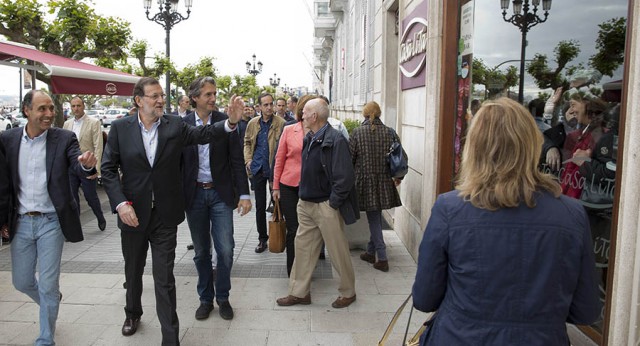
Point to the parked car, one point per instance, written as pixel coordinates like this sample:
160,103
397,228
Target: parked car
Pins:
113,114
5,124
96,113
22,121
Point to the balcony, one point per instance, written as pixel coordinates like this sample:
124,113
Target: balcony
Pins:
338,5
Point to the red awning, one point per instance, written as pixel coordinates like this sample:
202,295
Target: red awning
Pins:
70,76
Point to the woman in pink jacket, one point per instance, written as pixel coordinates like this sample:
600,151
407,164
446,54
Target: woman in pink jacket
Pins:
286,175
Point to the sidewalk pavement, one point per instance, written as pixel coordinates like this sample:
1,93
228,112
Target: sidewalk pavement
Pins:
92,309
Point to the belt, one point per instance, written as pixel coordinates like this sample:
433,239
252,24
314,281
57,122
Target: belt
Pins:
205,186
32,213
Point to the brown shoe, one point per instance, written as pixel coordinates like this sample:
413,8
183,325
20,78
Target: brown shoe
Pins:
382,265
367,257
293,300
343,302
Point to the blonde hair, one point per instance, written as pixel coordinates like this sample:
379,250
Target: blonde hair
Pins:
371,110
500,158
300,105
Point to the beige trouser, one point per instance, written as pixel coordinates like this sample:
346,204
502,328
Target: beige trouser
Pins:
318,221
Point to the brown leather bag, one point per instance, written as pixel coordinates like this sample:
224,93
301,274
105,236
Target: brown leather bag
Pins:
277,230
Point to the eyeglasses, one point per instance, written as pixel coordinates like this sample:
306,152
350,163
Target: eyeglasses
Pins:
155,97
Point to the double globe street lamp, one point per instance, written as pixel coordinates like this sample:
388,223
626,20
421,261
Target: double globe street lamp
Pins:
251,69
274,81
168,16
524,20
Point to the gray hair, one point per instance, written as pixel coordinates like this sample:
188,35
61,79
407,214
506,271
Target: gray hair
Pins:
27,101
196,88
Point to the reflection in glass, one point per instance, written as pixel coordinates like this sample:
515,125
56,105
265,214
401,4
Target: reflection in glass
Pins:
571,82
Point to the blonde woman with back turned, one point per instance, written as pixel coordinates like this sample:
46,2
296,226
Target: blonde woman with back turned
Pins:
505,258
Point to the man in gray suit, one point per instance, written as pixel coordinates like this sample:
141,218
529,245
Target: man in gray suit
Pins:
148,196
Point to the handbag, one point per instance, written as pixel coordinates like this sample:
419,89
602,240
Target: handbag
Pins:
594,196
397,158
277,230
415,339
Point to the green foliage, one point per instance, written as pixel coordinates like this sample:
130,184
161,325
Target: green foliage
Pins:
610,45
202,68
238,85
495,81
74,31
546,77
350,125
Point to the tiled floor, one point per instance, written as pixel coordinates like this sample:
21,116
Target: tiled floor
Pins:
92,308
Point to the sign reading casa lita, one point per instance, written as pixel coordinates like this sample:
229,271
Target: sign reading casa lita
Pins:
413,48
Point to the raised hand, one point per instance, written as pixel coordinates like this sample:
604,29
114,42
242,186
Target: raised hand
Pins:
235,109
88,160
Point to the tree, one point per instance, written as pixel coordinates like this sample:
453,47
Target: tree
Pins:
544,76
75,32
238,85
139,50
610,45
203,68
495,82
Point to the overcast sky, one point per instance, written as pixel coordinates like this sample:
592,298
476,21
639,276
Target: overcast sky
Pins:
496,40
279,32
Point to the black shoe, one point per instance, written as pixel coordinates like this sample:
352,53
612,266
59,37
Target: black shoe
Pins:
226,311
262,245
203,311
190,247
102,225
322,256
130,326
124,285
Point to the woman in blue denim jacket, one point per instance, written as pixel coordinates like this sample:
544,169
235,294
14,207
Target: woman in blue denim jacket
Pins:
505,258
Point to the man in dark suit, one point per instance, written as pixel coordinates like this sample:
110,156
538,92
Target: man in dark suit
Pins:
44,212
183,106
213,175
4,189
148,198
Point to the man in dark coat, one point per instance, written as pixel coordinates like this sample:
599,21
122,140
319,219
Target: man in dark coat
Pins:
327,202
141,174
213,174
44,211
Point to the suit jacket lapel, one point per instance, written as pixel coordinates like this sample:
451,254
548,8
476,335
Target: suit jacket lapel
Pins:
52,144
133,132
13,155
162,137
191,120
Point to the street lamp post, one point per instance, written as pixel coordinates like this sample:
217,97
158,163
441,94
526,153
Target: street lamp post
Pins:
168,16
524,20
274,81
251,69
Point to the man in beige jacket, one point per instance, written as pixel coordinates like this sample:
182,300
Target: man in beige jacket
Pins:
89,133
260,143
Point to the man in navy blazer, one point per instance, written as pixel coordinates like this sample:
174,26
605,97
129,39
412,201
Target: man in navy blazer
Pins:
141,174
44,212
213,176
4,188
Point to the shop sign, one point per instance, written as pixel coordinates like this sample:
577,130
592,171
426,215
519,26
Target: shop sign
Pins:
413,48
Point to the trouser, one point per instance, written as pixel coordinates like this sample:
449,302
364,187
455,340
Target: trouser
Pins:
318,221
376,244
135,245
38,242
210,218
260,183
89,191
288,205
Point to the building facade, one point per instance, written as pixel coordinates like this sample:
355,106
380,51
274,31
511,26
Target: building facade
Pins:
425,61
